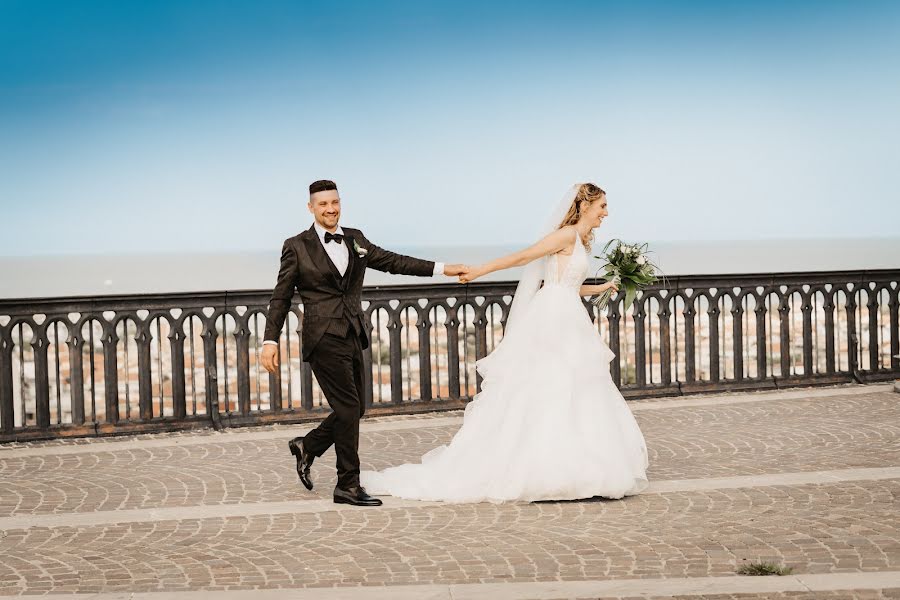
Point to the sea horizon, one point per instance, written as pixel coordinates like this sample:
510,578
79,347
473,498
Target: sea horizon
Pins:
44,276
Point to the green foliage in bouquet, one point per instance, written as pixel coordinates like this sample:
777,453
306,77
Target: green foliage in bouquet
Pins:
628,266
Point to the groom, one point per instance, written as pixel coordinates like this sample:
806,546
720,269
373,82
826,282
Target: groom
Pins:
326,265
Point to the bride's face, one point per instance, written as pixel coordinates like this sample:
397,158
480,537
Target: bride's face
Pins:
596,212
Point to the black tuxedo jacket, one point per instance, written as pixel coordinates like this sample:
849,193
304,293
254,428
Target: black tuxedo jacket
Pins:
329,299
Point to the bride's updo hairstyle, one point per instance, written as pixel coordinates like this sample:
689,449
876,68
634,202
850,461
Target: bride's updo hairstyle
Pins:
588,193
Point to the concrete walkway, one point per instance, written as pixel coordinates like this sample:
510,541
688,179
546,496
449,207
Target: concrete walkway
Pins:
809,479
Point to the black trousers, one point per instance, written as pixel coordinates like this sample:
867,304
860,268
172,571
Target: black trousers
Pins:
337,362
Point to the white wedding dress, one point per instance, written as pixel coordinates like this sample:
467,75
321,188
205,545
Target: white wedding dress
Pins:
549,422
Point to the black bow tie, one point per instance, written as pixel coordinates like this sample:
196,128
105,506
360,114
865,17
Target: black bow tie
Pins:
337,237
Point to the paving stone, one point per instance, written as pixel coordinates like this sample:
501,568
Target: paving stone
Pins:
829,527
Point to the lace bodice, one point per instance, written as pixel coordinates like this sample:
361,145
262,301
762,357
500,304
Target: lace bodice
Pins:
568,271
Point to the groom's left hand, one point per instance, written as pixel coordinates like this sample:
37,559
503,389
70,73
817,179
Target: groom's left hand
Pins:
454,270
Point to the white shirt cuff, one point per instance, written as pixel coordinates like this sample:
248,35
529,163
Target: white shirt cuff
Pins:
438,268
270,342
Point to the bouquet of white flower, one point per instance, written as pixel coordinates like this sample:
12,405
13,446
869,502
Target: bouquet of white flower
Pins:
627,266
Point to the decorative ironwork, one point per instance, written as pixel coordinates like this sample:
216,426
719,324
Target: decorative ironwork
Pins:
116,364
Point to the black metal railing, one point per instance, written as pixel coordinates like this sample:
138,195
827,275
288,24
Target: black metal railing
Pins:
116,364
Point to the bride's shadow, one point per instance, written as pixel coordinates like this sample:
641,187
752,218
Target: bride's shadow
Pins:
577,500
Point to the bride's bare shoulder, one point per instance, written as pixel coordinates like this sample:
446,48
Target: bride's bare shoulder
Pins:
551,242
562,238
563,233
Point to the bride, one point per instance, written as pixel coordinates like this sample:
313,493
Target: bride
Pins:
549,422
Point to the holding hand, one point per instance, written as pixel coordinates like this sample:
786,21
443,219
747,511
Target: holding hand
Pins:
455,269
472,274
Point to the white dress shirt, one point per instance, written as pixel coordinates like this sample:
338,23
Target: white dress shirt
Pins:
340,256
337,252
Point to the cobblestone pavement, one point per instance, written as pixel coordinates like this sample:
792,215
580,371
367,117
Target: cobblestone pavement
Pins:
809,480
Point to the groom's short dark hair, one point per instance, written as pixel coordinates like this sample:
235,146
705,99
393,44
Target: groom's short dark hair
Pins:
321,185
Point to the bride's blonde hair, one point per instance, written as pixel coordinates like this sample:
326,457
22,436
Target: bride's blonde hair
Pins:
588,193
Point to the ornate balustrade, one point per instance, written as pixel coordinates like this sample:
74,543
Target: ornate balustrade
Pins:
116,364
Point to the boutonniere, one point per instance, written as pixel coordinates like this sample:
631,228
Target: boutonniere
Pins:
360,251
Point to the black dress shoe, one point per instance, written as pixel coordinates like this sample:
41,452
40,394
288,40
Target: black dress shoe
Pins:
304,460
356,496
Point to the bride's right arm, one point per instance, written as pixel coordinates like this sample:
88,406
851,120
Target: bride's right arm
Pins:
552,243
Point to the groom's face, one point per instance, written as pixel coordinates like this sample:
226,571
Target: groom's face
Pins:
326,208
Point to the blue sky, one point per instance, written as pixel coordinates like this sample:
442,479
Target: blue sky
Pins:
184,126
